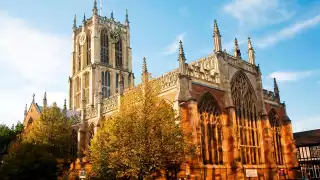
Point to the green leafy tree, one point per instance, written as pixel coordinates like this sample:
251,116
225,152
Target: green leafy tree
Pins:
143,138
7,136
53,130
29,161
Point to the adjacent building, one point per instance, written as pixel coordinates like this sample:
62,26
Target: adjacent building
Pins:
308,152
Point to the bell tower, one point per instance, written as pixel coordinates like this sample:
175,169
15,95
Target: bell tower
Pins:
101,56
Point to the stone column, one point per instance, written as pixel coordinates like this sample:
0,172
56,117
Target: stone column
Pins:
266,146
288,145
190,124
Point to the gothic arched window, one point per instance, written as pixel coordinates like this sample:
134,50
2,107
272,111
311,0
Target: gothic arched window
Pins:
245,102
105,82
275,125
30,121
74,143
78,92
79,58
104,44
88,49
118,48
90,133
86,86
211,130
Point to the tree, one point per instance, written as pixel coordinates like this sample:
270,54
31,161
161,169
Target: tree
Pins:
7,136
142,139
29,161
53,130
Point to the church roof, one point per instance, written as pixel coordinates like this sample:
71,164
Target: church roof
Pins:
307,138
39,108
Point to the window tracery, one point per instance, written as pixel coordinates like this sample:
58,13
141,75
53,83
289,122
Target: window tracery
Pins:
104,43
118,48
275,125
78,92
79,58
105,83
244,100
88,49
30,121
86,87
211,130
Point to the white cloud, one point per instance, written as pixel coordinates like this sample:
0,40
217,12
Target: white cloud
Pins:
306,124
32,61
290,76
174,46
256,13
288,32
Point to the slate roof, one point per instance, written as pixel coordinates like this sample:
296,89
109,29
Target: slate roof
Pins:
307,138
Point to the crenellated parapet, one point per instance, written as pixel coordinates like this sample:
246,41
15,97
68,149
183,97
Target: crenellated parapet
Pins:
205,69
91,112
168,80
268,95
237,62
110,104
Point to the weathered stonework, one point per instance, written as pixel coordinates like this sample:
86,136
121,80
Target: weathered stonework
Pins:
236,125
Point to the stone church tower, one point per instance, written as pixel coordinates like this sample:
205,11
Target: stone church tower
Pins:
101,69
101,59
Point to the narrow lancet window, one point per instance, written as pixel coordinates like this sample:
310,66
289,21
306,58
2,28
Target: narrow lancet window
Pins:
118,54
104,43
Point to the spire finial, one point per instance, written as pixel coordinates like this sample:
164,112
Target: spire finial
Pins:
112,15
75,22
65,104
215,26
45,99
33,95
181,59
144,66
95,9
275,85
127,17
251,52
145,74
25,111
216,37
237,52
249,43
181,51
84,18
236,43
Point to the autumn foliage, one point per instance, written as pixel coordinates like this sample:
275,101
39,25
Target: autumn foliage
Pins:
142,139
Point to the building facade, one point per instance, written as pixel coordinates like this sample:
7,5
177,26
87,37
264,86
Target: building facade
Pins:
308,153
240,129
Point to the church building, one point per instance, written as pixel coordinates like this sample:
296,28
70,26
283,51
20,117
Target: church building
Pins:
240,129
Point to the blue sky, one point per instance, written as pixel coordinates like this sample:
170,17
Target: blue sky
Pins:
35,45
